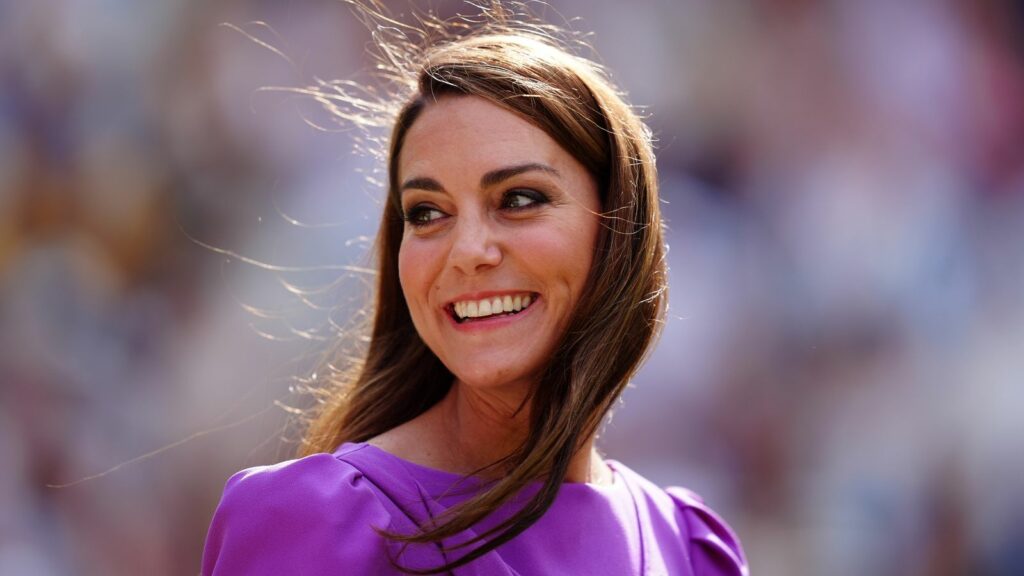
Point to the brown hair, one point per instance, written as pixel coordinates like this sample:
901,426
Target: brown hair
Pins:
524,69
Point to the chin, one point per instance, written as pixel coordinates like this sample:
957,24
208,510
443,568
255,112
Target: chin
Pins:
493,367
494,380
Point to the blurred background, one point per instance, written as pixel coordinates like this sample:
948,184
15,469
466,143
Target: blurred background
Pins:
842,376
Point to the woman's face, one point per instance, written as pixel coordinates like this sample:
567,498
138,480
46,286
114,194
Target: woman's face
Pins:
501,224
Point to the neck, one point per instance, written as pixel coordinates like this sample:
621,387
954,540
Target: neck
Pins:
481,427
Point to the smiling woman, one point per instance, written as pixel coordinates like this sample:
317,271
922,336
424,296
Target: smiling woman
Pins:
521,282
512,216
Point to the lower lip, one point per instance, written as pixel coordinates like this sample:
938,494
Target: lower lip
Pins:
493,322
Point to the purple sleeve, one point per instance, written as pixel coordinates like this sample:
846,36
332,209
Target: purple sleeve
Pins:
714,548
309,516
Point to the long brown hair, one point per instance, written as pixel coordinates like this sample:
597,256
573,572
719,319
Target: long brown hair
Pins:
525,69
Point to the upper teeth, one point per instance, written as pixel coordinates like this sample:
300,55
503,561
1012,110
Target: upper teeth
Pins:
491,306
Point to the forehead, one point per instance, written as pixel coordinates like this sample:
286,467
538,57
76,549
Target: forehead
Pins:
464,133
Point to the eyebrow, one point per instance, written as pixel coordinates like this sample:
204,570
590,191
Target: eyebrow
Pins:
487,180
501,174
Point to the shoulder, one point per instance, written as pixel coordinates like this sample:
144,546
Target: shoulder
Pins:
712,546
300,516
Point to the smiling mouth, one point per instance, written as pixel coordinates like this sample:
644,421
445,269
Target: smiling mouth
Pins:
507,305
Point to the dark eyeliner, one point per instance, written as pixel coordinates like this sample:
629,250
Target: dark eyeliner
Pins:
413,216
537,198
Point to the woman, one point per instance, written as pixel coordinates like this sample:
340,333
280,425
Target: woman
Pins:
521,281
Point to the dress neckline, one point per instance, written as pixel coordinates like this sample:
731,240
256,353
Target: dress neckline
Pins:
449,488
434,476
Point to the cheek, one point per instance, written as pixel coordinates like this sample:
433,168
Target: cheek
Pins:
564,256
582,248
417,271
584,259
408,272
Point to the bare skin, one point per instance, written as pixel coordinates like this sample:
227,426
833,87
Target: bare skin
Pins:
466,431
494,208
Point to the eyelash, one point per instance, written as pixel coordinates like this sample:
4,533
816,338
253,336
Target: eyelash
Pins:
536,198
417,215
414,216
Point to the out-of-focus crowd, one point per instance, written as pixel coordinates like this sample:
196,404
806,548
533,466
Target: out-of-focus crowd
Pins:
842,374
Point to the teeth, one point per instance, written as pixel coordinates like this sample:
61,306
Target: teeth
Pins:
491,306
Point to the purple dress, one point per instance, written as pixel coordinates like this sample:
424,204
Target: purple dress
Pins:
317,515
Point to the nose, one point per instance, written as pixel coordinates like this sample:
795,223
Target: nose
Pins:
475,245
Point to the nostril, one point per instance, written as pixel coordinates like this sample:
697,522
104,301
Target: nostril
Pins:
475,249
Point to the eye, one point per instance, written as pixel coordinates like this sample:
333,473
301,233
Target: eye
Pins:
422,215
521,198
